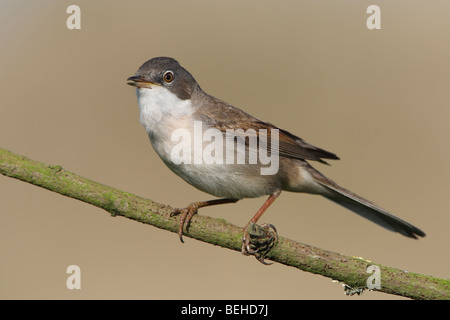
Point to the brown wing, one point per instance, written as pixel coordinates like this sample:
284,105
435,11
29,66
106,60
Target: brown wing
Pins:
225,116
292,146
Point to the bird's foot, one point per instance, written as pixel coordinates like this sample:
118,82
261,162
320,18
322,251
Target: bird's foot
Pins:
185,218
259,240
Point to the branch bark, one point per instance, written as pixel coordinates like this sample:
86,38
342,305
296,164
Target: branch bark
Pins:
350,271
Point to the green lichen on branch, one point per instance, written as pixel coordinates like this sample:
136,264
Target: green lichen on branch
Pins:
350,271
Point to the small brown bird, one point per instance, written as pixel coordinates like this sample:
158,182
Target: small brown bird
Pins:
223,151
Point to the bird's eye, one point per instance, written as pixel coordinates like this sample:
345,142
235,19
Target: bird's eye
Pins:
168,76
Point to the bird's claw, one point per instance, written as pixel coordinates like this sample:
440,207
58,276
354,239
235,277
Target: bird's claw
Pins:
259,240
186,215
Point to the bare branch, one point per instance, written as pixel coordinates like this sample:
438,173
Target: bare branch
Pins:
348,270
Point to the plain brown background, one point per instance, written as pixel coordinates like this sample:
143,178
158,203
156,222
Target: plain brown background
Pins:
379,99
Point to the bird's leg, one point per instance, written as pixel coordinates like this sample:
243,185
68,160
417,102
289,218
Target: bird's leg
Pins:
188,212
259,237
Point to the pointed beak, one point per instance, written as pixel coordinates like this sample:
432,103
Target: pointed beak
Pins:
140,82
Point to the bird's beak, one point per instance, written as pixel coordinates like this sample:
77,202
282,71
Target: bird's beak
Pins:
140,82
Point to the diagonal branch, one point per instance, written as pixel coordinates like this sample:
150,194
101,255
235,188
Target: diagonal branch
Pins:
349,270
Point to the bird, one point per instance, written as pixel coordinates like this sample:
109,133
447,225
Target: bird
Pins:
201,138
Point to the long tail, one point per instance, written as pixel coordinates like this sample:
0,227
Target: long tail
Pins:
364,207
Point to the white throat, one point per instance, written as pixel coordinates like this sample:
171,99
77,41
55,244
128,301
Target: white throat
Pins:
158,106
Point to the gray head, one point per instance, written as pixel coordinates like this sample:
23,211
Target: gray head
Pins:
166,72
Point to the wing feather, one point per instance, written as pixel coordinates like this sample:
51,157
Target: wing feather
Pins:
290,145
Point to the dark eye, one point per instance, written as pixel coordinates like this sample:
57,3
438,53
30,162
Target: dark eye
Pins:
168,76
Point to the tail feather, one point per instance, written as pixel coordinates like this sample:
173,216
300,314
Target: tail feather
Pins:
365,208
